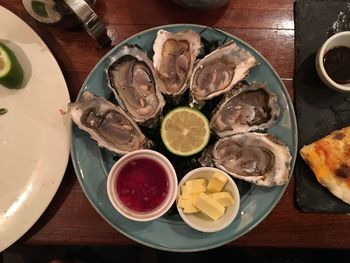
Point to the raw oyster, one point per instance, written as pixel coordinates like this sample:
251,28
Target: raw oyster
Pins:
253,157
107,124
246,108
219,71
131,77
174,57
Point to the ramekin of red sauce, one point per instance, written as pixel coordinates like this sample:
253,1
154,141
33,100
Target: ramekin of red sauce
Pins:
332,62
142,185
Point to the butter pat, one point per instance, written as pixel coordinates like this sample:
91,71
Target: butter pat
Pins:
223,198
217,182
193,187
187,204
196,186
209,206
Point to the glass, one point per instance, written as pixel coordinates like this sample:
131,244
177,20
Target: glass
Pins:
67,14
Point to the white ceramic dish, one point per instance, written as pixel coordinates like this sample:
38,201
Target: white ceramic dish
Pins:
172,185
201,222
34,134
339,39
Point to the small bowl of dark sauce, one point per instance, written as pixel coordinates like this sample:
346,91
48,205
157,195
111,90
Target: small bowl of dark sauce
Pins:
333,62
142,185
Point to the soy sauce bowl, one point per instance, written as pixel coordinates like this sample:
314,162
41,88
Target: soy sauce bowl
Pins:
142,185
337,40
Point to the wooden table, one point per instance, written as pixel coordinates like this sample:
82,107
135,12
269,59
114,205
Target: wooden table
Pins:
266,25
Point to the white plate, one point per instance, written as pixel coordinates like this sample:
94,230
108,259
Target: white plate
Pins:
34,134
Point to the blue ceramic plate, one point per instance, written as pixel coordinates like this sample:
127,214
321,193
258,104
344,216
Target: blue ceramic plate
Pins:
170,232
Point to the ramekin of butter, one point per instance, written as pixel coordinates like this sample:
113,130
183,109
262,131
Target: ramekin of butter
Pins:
208,199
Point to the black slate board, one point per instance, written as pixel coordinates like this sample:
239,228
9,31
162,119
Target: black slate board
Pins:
319,110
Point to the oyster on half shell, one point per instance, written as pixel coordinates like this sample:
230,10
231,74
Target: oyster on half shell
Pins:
253,157
131,77
173,60
249,107
220,71
107,124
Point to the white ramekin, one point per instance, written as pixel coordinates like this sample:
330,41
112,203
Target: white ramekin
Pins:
172,186
202,222
339,39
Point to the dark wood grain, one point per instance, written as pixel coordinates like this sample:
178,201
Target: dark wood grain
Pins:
267,26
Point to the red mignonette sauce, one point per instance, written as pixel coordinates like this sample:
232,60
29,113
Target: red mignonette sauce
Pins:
142,184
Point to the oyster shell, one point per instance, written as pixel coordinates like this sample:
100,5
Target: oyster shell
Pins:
219,71
131,77
107,124
246,108
253,157
174,57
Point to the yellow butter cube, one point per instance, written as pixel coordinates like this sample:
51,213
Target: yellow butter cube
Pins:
217,182
223,198
186,193
209,206
196,186
187,205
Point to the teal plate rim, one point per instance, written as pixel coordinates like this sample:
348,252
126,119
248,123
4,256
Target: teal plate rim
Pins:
166,234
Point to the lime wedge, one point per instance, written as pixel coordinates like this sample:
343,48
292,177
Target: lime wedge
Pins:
185,131
39,8
11,72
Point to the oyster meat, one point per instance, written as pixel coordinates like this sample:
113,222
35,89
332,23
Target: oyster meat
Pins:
107,124
246,108
253,157
174,57
131,77
220,71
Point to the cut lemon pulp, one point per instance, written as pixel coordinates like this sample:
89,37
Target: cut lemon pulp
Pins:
185,131
11,72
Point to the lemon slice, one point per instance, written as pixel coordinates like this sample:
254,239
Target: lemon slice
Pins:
11,72
185,131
